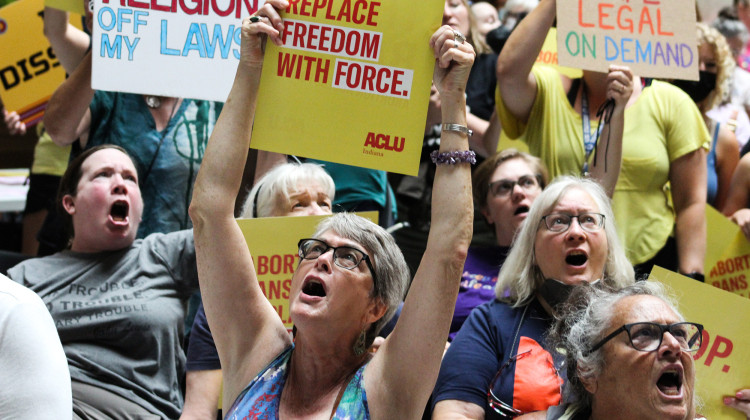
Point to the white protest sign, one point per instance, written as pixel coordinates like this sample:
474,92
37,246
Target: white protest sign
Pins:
180,48
655,38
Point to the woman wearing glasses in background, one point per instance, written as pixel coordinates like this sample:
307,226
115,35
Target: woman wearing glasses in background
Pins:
497,365
504,187
604,333
338,299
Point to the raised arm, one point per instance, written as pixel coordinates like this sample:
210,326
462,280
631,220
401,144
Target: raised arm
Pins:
403,372
514,79
250,332
68,115
68,42
608,159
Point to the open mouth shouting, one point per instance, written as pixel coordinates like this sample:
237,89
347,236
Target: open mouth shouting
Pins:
521,210
670,382
576,258
314,288
119,211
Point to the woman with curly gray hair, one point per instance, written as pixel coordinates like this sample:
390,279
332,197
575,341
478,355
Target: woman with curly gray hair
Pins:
497,365
603,332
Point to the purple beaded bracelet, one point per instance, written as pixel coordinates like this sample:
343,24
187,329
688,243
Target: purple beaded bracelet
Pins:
452,158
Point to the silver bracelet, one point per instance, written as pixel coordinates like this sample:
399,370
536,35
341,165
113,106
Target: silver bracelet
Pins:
457,128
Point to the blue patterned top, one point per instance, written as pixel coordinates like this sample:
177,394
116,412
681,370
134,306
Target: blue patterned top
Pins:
260,399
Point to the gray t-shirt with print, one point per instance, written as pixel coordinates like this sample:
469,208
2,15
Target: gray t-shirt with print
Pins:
120,315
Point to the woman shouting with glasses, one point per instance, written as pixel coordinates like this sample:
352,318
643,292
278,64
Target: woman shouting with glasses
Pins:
504,187
637,330
498,365
350,277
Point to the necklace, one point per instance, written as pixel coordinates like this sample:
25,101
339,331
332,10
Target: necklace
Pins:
153,101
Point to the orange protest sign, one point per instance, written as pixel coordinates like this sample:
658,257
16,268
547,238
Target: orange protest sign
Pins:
721,364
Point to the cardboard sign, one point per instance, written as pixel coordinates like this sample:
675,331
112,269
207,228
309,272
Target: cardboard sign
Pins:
548,56
727,263
29,70
721,364
273,244
655,38
351,83
186,49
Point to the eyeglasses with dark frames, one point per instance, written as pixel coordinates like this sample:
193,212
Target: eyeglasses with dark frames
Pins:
647,336
560,222
346,257
504,187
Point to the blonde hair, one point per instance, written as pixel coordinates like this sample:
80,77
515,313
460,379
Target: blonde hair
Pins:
724,62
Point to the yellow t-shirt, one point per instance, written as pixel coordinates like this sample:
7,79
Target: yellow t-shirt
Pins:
661,126
49,158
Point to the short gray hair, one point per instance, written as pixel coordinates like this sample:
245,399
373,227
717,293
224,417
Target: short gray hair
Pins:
520,274
279,182
390,266
585,319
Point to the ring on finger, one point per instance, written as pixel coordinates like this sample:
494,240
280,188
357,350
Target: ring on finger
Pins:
254,19
458,37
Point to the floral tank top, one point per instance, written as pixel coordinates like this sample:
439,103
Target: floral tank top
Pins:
260,399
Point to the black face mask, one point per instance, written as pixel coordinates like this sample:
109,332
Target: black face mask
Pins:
698,90
556,292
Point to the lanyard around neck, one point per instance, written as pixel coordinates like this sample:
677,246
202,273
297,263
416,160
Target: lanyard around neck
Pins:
589,138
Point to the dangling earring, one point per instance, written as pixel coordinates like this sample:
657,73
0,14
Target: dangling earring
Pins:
359,345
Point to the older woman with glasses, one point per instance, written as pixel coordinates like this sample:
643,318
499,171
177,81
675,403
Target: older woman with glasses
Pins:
338,299
638,330
497,365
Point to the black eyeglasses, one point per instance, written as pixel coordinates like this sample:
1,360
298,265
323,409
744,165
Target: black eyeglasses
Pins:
560,222
504,187
346,257
647,336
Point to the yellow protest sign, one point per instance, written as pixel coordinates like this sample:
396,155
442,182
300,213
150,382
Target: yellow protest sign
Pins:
721,364
29,70
75,6
655,38
727,262
351,83
273,244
